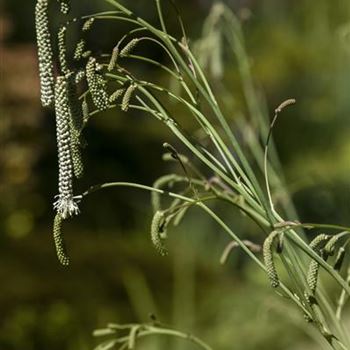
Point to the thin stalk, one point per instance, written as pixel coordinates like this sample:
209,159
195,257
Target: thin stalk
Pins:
178,133
119,18
146,331
161,18
291,224
153,62
294,237
249,176
207,93
200,204
218,142
210,130
342,298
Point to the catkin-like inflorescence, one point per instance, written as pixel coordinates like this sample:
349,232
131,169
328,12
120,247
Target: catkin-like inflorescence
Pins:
116,94
74,104
284,104
319,241
331,244
62,51
88,24
85,109
78,165
76,126
158,228
79,76
99,68
65,204
45,56
64,6
59,242
269,261
96,85
114,58
79,49
127,97
101,81
129,47
86,54
312,275
77,161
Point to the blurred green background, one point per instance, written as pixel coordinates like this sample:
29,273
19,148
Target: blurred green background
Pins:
298,49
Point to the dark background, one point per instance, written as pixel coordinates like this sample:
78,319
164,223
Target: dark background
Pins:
298,49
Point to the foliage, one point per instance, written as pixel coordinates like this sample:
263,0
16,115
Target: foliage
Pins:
232,177
46,306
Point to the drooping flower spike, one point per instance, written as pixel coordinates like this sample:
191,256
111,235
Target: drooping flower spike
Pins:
45,55
65,204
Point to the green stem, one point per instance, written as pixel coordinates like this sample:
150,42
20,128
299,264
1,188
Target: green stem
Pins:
209,96
145,331
208,211
342,298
